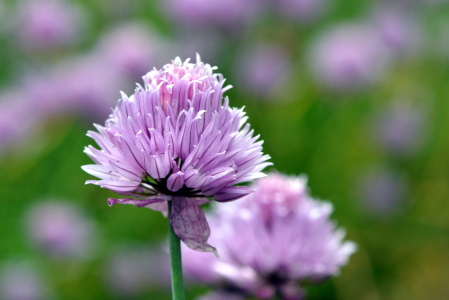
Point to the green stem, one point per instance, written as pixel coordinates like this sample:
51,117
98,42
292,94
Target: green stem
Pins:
278,294
177,281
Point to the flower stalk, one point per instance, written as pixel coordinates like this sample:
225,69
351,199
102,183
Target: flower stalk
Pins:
177,281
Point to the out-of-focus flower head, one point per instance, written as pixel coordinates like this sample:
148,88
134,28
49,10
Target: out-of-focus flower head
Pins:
305,11
134,269
397,28
348,57
223,13
270,240
89,86
381,192
262,68
17,118
188,42
46,24
60,230
400,128
176,139
19,281
132,48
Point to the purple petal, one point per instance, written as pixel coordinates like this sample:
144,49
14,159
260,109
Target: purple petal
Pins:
175,181
159,206
232,193
190,224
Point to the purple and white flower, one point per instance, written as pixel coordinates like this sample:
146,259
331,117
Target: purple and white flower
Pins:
176,139
270,240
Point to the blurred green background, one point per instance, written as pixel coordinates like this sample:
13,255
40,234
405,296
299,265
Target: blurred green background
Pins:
354,94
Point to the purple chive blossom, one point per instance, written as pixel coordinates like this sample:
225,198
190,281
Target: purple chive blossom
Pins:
382,192
301,10
47,24
176,139
348,57
131,47
400,128
18,119
263,68
287,238
88,87
59,230
222,13
20,281
398,29
133,269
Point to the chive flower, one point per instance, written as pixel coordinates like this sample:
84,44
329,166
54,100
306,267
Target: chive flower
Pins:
272,242
176,139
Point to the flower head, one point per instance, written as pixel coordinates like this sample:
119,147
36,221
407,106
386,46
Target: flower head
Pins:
263,68
131,269
299,241
60,230
21,281
348,57
176,139
222,13
47,24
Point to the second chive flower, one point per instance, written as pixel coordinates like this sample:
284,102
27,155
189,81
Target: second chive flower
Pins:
176,139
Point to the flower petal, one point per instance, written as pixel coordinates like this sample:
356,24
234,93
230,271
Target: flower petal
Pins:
190,224
175,181
232,193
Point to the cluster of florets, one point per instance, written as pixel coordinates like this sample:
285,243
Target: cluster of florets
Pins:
176,139
270,240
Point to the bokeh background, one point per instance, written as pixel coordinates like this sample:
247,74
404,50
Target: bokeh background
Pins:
354,94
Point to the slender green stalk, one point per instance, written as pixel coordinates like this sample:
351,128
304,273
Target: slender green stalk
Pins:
177,281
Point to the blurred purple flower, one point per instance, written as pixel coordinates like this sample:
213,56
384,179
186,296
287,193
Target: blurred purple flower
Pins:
397,29
132,48
17,118
89,87
348,57
19,281
400,128
382,192
297,239
224,13
176,140
301,10
60,230
46,24
209,43
262,68
132,270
